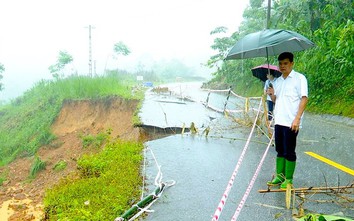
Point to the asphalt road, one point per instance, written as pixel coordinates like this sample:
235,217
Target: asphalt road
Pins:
202,165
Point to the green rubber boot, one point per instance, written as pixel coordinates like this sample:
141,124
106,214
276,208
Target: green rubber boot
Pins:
280,169
289,173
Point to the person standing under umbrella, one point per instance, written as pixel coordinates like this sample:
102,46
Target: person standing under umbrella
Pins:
270,104
290,94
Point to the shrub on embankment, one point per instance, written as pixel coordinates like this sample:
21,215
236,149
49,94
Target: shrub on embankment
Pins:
25,122
107,181
106,184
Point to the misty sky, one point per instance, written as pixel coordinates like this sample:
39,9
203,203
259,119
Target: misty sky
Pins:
33,32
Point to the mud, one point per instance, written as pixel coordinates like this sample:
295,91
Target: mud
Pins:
21,197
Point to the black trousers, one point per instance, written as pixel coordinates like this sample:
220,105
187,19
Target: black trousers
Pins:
270,109
285,142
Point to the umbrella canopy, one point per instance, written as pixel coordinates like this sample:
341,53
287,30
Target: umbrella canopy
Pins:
268,42
262,71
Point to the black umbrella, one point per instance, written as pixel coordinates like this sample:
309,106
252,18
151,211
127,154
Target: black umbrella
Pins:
268,42
262,71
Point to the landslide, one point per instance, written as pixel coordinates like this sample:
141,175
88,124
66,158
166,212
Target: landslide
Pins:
21,197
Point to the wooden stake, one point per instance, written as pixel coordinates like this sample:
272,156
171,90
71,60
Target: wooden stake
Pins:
309,189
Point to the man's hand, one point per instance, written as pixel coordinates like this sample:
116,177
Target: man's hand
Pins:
270,91
296,122
295,126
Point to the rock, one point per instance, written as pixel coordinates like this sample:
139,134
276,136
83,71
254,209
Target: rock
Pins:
18,206
20,196
18,191
29,217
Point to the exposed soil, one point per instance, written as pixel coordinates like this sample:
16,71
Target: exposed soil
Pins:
21,197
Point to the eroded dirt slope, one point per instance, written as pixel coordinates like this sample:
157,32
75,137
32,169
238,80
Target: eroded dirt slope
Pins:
20,197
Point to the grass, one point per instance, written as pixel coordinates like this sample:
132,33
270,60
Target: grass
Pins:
61,165
3,176
25,122
37,166
335,106
107,183
108,180
96,141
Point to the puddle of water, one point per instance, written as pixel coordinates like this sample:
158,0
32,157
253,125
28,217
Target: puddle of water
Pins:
6,211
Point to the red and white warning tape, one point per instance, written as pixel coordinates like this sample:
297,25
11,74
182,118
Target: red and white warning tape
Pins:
231,181
250,186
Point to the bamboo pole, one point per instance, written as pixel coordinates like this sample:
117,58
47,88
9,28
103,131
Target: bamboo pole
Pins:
308,189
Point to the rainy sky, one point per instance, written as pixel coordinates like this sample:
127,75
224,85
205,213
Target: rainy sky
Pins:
33,32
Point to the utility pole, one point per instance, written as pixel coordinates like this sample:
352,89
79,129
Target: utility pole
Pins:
268,13
90,50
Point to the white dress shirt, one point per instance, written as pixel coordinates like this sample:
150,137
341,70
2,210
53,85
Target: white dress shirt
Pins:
288,94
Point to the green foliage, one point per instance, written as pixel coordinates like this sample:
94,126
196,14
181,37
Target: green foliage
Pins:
25,122
2,179
221,45
108,180
121,49
61,165
107,183
3,176
37,166
64,59
328,66
96,141
254,17
332,73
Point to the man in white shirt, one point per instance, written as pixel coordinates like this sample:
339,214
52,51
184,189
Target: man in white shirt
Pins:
290,95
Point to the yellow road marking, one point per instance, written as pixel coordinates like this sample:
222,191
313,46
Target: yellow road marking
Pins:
332,163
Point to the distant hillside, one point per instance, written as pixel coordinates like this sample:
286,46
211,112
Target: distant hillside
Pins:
25,123
62,141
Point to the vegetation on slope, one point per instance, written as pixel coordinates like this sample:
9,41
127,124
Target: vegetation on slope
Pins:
107,181
106,184
328,66
25,123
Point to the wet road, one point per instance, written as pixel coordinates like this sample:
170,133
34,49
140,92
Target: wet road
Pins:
202,166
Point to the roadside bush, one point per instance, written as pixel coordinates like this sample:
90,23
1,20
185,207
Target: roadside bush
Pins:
106,185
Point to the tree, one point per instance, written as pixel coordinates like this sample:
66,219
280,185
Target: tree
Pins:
221,45
121,49
237,73
328,66
255,17
64,59
2,69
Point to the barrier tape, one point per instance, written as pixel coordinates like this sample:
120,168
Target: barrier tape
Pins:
251,98
231,181
250,186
